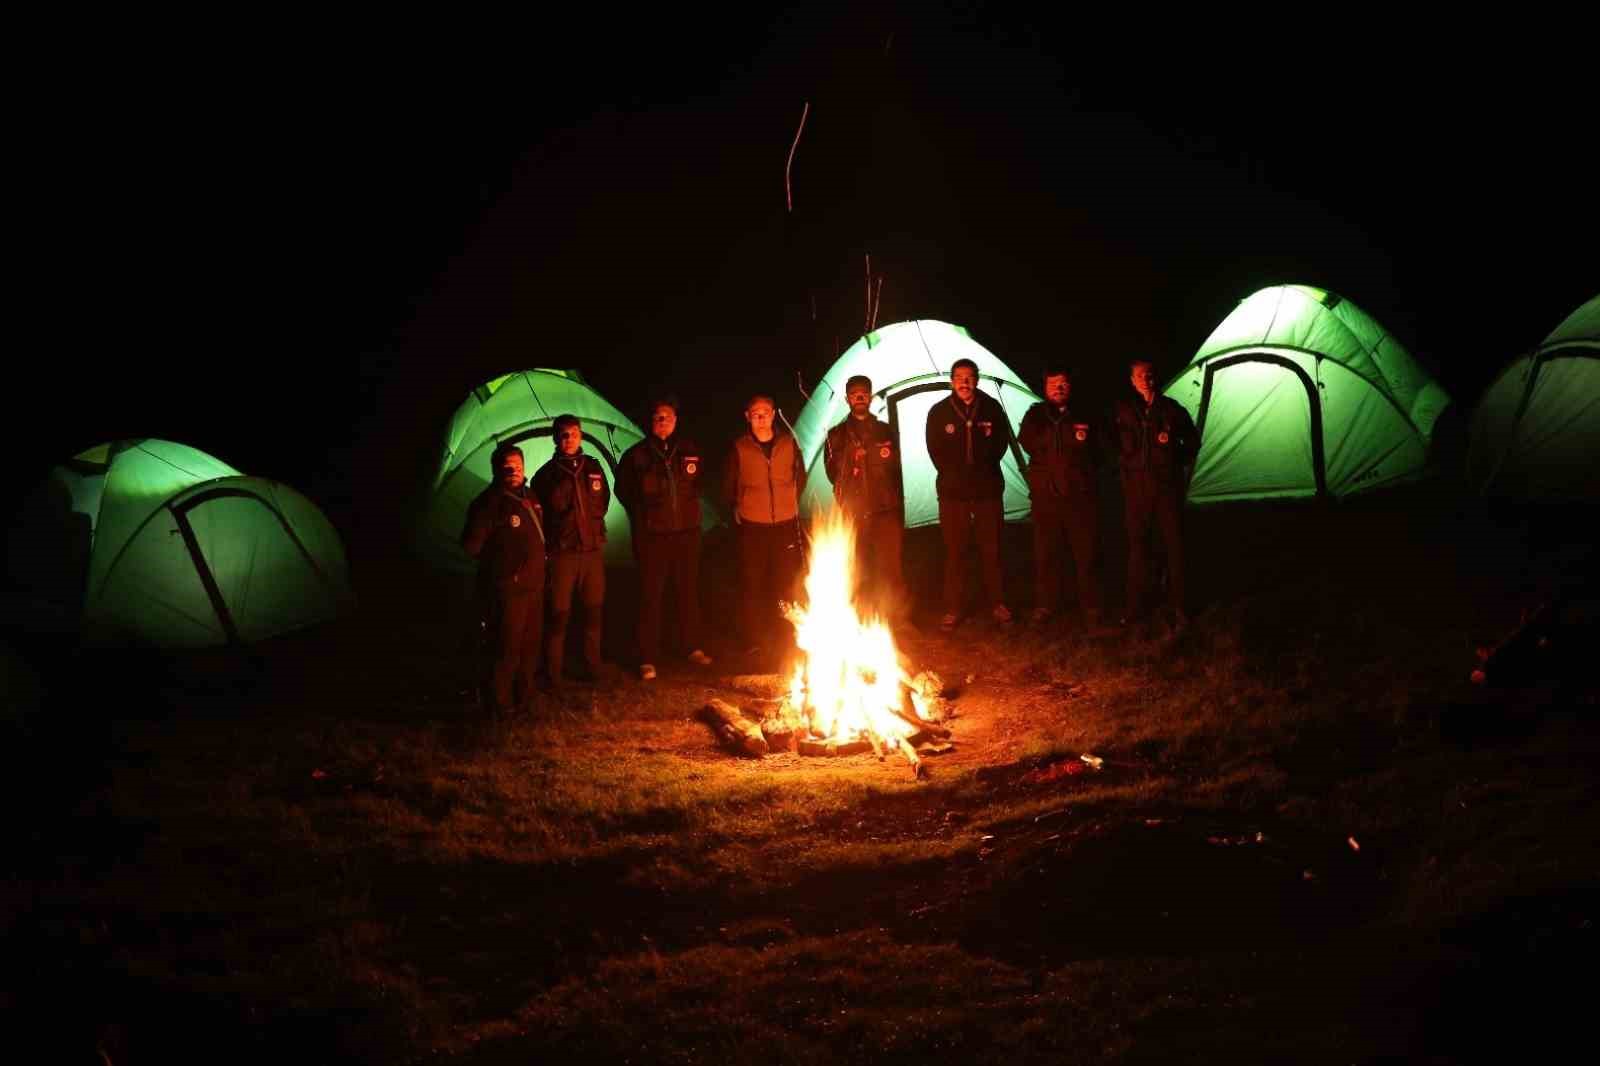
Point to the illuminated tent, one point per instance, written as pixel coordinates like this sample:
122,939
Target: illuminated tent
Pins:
161,544
1301,393
1536,432
519,409
909,364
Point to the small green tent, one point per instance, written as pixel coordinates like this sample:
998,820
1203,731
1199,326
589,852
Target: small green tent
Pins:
518,409
1536,431
162,544
1301,393
909,364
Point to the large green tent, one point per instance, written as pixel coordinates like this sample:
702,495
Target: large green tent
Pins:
518,409
162,544
1536,431
1301,393
909,364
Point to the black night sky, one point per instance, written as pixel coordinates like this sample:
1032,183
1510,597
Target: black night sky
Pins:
300,254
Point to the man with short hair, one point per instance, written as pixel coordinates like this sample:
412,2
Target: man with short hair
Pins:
1157,444
573,491
967,436
505,534
762,482
862,460
1062,446
658,481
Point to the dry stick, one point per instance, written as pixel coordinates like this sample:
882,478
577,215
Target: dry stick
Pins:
869,293
788,188
911,756
876,302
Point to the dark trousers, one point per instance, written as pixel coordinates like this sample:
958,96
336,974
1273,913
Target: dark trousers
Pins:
962,522
662,556
513,623
880,583
1147,503
769,567
582,574
1074,522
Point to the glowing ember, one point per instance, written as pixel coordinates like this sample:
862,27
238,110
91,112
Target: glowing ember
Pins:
849,682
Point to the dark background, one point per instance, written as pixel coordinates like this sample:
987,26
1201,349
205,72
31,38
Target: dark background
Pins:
298,247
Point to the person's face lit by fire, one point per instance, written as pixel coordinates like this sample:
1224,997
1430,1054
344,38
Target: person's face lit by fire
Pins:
511,472
759,415
859,397
570,440
663,420
964,383
1144,381
1057,387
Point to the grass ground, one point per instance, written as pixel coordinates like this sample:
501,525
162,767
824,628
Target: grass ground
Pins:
1307,841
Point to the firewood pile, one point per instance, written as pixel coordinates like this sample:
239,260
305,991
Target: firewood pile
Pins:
766,726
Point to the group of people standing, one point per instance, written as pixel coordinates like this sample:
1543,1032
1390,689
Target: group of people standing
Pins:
540,541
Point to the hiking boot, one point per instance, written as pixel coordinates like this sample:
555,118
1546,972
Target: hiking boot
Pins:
948,623
699,658
647,672
1039,616
1002,614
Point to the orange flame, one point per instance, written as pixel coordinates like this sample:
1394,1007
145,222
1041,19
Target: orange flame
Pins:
848,683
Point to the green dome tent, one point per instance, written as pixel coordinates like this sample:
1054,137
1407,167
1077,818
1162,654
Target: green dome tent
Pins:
519,408
909,364
1301,393
1536,431
162,544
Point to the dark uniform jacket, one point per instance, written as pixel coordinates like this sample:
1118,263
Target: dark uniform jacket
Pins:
1157,441
1063,451
658,481
575,495
505,533
764,489
872,483
966,444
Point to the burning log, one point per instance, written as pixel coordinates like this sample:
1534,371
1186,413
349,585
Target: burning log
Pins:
733,728
832,748
784,727
925,694
911,757
908,713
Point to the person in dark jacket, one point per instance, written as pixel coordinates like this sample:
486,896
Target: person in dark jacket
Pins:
762,482
658,481
862,460
573,491
1062,446
1157,443
505,533
967,436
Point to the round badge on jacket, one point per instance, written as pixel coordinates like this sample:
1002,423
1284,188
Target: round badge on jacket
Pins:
1162,438
516,520
949,427
689,468
883,452
1082,433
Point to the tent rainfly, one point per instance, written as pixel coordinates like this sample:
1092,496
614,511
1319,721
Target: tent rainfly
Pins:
909,364
1536,431
1297,393
161,544
518,409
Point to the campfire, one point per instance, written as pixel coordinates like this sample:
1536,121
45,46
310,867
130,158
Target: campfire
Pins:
851,691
